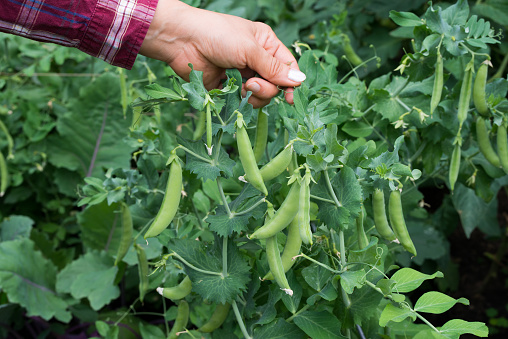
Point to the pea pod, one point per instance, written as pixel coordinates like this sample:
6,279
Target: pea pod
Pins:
465,93
127,230
177,292
363,240
484,143
261,135
277,165
398,222
217,319
291,248
283,217
304,208
4,175
182,318
142,270
380,220
200,126
349,51
480,103
247,156
275,264
171,199
437,90
10,142
453,173
502,146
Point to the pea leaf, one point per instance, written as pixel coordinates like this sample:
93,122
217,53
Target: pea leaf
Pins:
351,279
15,226
279,329
405,19
223,225
408,279
91,276
395,314
215,288
436,302
323,325
454,328
28,279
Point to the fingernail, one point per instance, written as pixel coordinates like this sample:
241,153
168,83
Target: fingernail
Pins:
253,87
296,75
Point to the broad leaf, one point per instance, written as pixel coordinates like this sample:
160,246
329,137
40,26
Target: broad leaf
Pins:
91,276
437,302
29,279
15,226
408,279
395,314
454,328
321,325
279,329
351,279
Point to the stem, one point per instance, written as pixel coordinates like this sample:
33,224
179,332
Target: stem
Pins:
194,267
322,199
318,263
250,208
208,128
224,257
194,154
240,320
418,152
223,197
406,107
303,309
501,69
426,321
376,131
330,189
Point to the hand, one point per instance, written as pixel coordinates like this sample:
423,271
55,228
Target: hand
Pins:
212,42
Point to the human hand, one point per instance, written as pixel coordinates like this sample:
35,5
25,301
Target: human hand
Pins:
212,42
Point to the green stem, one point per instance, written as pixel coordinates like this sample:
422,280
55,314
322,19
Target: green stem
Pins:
354,69
406,107
250,208
223,197
303,309
209,128
318,263
194,154
194,267
501,69
376,131
240,320
224,257
418,152
330,189
315,197
426,321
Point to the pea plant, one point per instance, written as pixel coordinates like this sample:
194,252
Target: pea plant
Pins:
289,221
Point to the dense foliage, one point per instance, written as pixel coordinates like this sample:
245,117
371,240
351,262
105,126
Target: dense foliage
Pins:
334,189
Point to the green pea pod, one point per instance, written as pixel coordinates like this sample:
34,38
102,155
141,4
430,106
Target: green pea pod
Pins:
349,51
304,208
127,230
363,240
217,319
247,156
209,145
182,318
484,143
437,90
200,126
380,220
398,222
177,292
502,146
171,199
480,103
278,164
291,248
10,142
4,175
142,270
275,264
283,217
453,173
261,135
465,93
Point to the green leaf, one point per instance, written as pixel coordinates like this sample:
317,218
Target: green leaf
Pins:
150,331
315,275
364,303
321,325
223,225
279,329
405,19
90,135
91,276
470,206
156,91
28,279
195,89
395,314
454,328
214,288
408,279
357,129
351,279
437,302
329,292
206,167
292,302
268,311
15,226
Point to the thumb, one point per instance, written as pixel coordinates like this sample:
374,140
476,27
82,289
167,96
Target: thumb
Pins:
274,70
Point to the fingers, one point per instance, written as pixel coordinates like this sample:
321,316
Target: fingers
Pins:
273,61
262,91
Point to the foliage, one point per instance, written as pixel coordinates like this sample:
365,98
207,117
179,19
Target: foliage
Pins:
75,152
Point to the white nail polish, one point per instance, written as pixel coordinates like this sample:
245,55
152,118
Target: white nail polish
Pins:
296,75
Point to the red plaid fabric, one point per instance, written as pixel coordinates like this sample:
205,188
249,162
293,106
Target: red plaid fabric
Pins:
112,30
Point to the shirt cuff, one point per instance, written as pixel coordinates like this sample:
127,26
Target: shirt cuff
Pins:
117,29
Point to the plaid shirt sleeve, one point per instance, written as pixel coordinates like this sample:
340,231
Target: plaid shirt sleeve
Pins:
112,30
